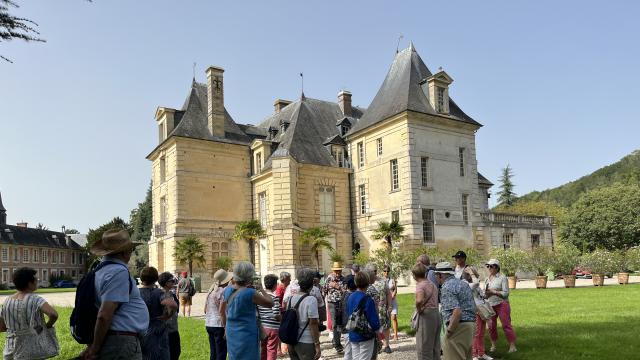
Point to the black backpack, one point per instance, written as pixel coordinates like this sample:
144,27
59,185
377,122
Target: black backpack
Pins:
85,313
288,331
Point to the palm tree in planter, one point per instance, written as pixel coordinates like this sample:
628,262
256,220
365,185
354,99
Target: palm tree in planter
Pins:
188,251
389,232
316,238
249,231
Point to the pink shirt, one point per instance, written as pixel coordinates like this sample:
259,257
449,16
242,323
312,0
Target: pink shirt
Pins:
430,292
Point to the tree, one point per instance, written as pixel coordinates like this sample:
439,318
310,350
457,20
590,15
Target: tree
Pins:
41,226
506,194
95,235
15,27
71,231
249,231
141,219
316,238
188,251
389,232
224,262
607,217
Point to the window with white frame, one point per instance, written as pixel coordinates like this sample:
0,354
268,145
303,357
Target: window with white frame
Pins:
507,240
62,257
465,208
5,276
360,146
338,155
163,210
363,199
461,159
379,146
73,258
535,240
326,199
5,254
45,276
395,216
258,162
393,168
427,226
45,256
80,259
25,255
54,257
440,96
36,255
262,209
163,169
16,255
424,171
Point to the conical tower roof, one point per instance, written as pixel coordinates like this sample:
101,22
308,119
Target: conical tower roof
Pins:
1,206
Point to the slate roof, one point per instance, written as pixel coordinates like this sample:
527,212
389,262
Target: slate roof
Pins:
311,123
192,120
17,235
401,91
483,180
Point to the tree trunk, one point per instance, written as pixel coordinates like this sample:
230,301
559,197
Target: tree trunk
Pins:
317,260
191,268
252,252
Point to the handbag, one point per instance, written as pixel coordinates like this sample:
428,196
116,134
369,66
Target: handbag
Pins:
485,311
37,341
414,320
358,321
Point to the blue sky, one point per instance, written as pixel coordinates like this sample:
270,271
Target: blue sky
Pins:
554,83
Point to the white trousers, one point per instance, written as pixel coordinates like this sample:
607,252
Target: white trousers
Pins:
359,351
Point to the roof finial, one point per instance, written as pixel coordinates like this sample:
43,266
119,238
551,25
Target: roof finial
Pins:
194,71
302,86
398,46
411,47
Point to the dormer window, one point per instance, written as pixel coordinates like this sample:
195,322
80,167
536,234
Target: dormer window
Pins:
284,125
338,154
436,88
273,132
440,97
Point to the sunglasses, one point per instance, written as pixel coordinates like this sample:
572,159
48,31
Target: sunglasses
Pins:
490,266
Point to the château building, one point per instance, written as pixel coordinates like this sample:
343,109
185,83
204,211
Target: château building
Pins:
409,156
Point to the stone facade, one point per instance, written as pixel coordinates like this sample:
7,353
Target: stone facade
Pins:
410,156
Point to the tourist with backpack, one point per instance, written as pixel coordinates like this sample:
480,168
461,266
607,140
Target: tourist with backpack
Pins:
299,326
238,312
363,323
186,291
117,310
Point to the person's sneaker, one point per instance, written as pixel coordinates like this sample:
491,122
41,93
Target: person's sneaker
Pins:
476,358
340,351
493,348
512,349
485,357
388,350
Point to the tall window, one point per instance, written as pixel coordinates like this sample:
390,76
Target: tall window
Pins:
262,208
54,257
395,216
507,240
36,255
25,255
327,204
62,257
5,254
163,169
80,260
338,155
73,258
424,171
163,209
360,154
535,240
461,157
258,162
379,146
427,226
440,95
45,275
465,208
363,199
5,276
393,167
16,255
45,255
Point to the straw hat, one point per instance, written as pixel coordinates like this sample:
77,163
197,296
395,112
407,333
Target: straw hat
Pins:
444,268
222,276
336,266
493,262
113,242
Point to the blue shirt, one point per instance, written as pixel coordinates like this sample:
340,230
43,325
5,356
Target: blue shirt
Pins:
112,284
369,310
457,294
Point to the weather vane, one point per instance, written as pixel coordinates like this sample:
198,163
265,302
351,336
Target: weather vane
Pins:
398,45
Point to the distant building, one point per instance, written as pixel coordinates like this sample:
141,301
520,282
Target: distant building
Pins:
410,157
48,252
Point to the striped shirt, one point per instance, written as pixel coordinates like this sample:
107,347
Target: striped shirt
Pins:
268,314
13,315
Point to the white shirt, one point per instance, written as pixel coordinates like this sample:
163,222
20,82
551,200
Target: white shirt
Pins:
212,317
308,309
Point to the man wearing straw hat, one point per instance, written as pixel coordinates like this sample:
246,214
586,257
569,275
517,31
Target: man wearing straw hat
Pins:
458,313
334,288
123,315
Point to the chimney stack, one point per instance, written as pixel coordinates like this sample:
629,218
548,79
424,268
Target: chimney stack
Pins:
280,104
215,101
344,100
22,224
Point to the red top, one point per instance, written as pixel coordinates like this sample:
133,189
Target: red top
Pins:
280,294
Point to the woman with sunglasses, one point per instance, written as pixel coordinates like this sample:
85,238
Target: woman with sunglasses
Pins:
497,295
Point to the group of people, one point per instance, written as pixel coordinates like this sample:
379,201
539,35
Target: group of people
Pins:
358,305
447,320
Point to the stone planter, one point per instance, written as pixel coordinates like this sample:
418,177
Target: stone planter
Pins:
598,279
512,282
623,278
541,282
569,281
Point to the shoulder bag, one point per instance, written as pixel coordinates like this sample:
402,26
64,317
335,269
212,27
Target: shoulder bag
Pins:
37,341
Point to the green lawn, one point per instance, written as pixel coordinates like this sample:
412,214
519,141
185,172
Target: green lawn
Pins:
581,323
40,291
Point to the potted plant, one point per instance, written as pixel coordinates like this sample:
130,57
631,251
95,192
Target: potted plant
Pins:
599,262
511,260
633,258
540,260
623,266
565,258
224,262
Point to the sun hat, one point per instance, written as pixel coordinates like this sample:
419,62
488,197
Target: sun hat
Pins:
460,254
112,242
493,262
444,268
336,266
222,276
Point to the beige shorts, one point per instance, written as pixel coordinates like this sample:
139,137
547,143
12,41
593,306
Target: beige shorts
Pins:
185,299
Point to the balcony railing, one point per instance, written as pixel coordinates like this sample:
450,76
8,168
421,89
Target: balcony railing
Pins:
160,229
516,219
